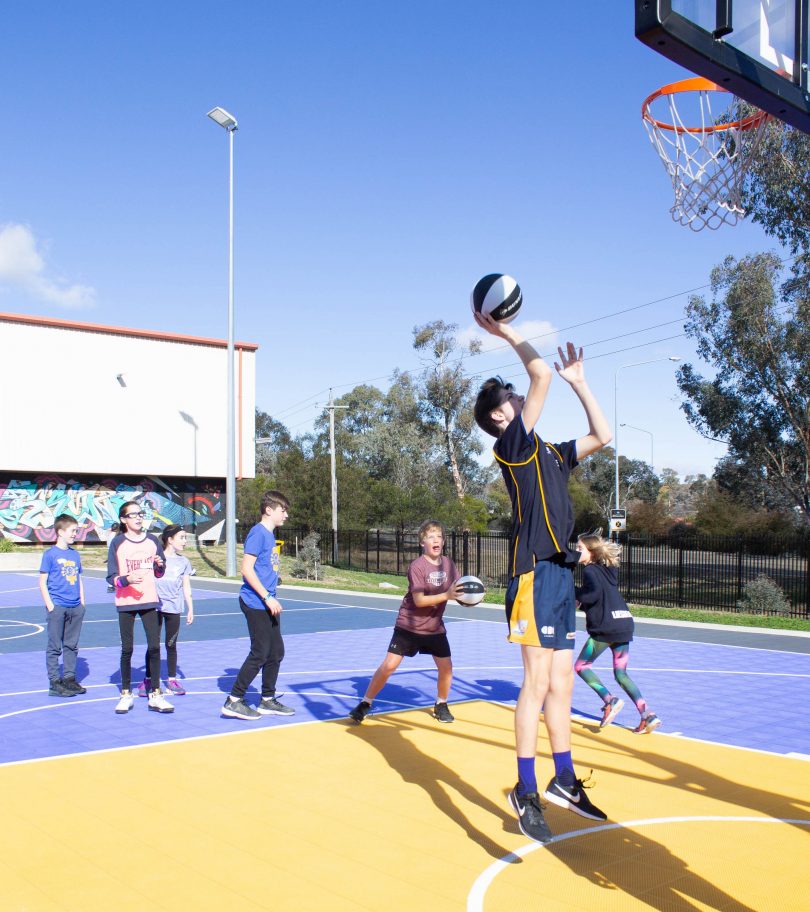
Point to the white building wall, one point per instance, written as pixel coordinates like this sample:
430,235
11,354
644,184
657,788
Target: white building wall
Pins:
63,409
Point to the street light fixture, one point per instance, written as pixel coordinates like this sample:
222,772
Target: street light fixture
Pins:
229,124
616,411
643,431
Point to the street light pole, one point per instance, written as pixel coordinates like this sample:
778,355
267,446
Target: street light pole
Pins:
331,406
616,413
652,449
229,124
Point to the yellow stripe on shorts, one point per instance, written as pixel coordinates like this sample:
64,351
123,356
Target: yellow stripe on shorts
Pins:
522,624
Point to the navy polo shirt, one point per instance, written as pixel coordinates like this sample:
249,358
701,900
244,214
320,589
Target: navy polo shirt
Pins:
536,475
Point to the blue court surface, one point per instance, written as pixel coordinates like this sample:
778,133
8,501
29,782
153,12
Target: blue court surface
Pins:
738,688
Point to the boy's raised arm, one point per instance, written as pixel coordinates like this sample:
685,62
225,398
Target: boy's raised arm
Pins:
572,371
538,371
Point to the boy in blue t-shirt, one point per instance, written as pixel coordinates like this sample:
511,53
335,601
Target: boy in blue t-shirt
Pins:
60,582
257,599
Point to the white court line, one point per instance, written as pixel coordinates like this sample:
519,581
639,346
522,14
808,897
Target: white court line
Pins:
10,623
718,671
405,707
319,672
475,898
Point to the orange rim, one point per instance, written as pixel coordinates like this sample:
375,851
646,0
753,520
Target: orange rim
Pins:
697,84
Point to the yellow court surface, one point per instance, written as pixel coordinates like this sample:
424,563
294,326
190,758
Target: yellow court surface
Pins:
401,813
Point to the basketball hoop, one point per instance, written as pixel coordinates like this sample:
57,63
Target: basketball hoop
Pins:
706,163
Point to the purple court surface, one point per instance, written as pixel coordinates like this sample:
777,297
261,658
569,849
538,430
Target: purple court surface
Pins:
725,685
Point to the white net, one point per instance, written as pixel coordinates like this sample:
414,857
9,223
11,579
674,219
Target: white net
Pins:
706,154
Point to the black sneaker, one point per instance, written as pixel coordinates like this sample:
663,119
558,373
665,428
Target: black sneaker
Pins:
238,709
529,812
573,798
270,706
73,685
58,689
360,711
442,713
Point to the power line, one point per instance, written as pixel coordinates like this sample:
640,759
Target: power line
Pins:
307,403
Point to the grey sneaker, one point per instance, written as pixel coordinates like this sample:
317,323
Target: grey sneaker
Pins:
58,689
529,812
238,709
442,713
610,710
269,706
70,683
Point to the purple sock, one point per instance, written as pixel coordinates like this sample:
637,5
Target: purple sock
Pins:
527,781
564,767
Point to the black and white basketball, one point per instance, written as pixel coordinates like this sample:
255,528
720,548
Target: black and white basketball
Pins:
497,295
472,590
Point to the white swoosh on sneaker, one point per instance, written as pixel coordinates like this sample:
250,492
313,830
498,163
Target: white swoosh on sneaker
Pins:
569,796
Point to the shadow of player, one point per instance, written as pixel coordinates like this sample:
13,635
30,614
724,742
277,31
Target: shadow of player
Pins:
389,735
621,859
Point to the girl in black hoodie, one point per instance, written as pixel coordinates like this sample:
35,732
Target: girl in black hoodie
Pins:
609,623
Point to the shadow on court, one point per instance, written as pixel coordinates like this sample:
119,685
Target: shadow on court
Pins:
644,869
389,736
687,778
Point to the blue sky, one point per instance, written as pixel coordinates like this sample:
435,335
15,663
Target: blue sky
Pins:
389,154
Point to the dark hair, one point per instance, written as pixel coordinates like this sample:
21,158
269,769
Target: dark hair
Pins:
272,499
169,532
62,521
123,525
125,506
492,395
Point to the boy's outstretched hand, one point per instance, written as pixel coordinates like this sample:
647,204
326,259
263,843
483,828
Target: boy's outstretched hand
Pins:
572,370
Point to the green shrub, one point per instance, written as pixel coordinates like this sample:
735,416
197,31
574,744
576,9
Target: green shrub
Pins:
763,596
307,564
5,545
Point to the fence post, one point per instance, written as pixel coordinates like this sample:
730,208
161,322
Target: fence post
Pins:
465,551
350,549
366,550
680,573
807,579
629,565
397,541
378,550
478,554
739,569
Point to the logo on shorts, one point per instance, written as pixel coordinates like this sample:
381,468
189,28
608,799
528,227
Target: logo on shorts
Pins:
547,631
571,636
519,628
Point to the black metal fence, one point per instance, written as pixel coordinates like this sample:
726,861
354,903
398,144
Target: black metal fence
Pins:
688,571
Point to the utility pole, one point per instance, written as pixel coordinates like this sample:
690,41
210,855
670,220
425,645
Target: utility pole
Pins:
331,406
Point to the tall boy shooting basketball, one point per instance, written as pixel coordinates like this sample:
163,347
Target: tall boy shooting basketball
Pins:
540,603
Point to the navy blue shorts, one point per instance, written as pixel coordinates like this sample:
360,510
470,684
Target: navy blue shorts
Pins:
541,607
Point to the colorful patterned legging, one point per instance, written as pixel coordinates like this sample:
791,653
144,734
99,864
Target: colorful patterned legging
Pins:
621,653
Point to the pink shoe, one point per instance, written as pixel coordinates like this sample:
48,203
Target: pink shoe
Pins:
175,687
144,687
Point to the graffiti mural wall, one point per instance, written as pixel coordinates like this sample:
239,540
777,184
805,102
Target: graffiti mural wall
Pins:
30,503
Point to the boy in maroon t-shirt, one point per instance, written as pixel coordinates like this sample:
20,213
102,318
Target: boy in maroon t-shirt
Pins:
419,627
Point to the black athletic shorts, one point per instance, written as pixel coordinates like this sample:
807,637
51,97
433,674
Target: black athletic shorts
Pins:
405,643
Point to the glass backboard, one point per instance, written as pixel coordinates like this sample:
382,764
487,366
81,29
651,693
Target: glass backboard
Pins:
756,49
